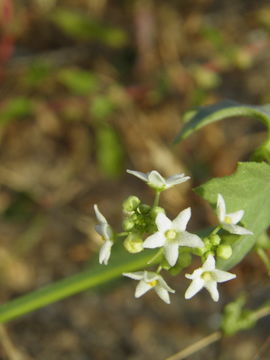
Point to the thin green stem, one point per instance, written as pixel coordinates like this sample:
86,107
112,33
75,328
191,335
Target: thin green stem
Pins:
156,201
262,254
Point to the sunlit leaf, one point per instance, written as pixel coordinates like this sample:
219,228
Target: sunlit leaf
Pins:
247,189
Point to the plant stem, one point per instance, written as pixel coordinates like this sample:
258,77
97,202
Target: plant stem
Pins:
72,285
156,201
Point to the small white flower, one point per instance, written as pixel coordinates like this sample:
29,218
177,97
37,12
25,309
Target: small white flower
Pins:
104,229
207,277
172,234
228,221
158,182
150,280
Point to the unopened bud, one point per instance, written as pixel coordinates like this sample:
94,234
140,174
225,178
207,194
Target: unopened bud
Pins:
215,239
156,210
144,209
224,251
128,224
133,243
131,203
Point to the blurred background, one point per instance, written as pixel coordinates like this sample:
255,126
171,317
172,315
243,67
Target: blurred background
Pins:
89,88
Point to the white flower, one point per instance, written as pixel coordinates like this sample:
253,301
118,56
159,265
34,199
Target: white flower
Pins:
158,182
150,280
228,221
207,276
172,234
104,229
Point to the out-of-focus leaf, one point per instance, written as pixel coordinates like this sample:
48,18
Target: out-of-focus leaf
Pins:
36,73
78,81
110,153
247,189
82,27
15,108
101,107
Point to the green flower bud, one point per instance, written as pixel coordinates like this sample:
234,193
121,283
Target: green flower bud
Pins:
133,243
215,239
198,251
128,224
131,203
144,209
156,210
224,251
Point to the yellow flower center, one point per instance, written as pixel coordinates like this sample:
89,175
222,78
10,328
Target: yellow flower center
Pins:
170,234
152,283
228,219
207,276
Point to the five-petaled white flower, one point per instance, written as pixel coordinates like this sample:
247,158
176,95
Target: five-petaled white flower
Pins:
150,280
207,276
172,234
104,229
158,182
228,221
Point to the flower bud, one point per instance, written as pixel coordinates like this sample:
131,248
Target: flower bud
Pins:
144,209
131,203
128,224
215,239
156,210
133,243
224,251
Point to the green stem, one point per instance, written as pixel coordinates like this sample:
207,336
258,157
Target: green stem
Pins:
264,258
72,285
156,201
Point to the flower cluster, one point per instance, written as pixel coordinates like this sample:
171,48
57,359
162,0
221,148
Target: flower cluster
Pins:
148,227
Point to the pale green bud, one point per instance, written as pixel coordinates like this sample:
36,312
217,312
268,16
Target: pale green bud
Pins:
156,210
144,209
128,224
215,239
224,251
131,203
133,243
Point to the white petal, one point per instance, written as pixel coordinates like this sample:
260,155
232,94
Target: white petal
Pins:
191,240
196,274
236,216
163,294
139,175
104,230
100,217
221,208
156,180
150,276
163,222
154,241
222,276
194,287
105,252
209,263
176,179
236,229
171,252
138,275
142,288
211,286
180,222
163,284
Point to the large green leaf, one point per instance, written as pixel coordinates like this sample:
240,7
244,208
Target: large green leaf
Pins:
248,189
199,117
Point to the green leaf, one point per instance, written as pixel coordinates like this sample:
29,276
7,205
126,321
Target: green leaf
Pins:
110,152
82,27
204,115
15,108
120,262
80,82
247,189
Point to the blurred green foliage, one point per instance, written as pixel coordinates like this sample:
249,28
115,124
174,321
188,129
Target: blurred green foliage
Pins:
82,27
